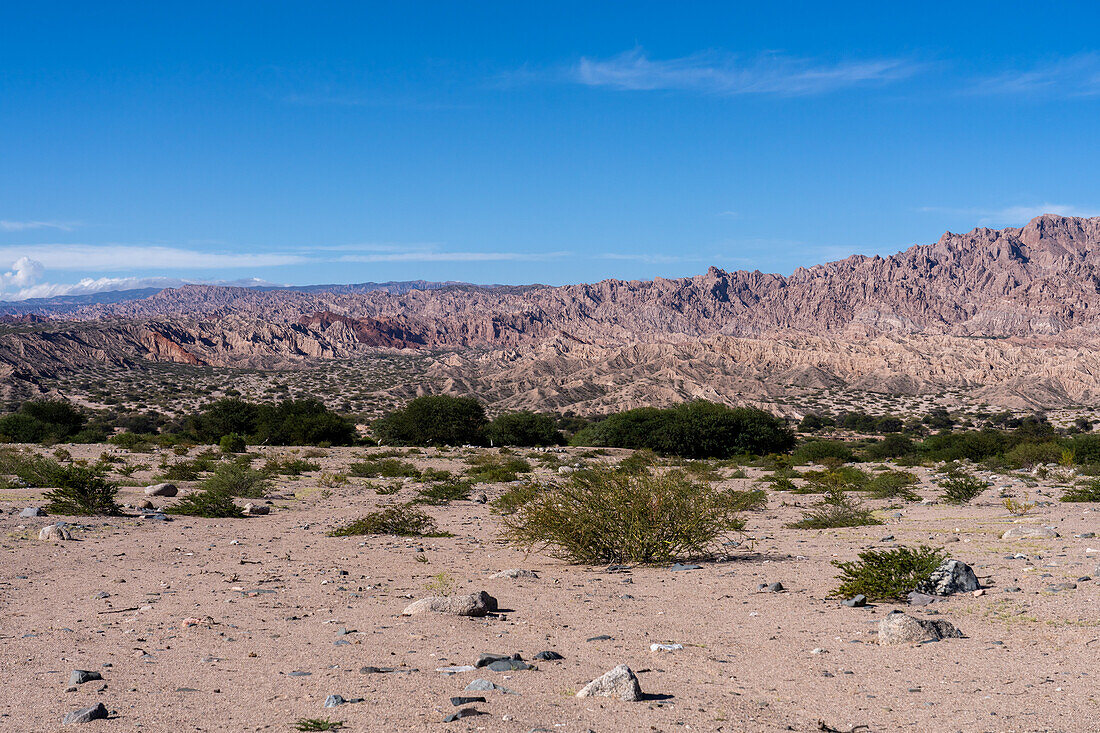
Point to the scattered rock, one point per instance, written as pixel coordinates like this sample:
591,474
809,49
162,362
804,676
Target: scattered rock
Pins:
856,601
474,604
1063,586
601,637
901,628
80,676
620,682
484,660
665,647
548,656
86,715
145,504
460,701
479,498
515,573
1028,532
952,576
161,490
508,665
771,587
334,700
54,532
480,685
255,510
676,567
463,713
31,511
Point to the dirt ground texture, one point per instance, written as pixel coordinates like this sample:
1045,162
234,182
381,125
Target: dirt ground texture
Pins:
289,616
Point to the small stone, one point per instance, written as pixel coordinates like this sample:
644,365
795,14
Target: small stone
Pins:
479,498
31,511
334,700
887,538
665,647
480,685
901,628
979,592
460,701
1012,589
856,601
161,490
774,587
485,659
1063,586
255,510
1029,532
1085,535
601,637
515,573
54,532
677,567
463,713
620,682
145,504
456,669
474,604
86,715
80,676
548,656
508,665
920,599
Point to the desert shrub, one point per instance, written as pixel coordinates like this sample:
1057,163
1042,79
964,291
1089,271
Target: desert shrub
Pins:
1086,448
224,417
967,445
813,422
290,466
892,446
435,474
836,510
402,520
32,469
209,503
747,501
443,492
816,451
1029,455
893,485
888,575
237,478
692,430
836,478
290,422
81,490
332,480
317,724
602,516
42,420
384,467
961,488
132,442
1089,492
640,461
433,420
232,443
515,497
523,429
488,468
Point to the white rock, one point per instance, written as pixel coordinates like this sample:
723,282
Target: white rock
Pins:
620,682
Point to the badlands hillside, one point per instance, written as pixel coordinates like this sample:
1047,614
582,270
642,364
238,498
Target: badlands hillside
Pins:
1008,317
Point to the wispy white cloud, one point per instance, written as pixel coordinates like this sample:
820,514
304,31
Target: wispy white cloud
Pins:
651,258
6,225
1073,76
727,75
108,257
1013,215
435,256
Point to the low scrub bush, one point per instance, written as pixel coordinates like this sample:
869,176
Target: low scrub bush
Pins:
81,491
600,516
208,503
836,510
523,429
816,451
487,468
383,468
1088,492
434,420
893,485
962,488
237,479
290,466
402,520
888,575
444,492
514,498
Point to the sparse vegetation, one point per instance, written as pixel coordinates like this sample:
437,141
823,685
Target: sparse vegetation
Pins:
1087,492
208,503
318,724
81,491
960,487
383,468
402,520
835,511
237,478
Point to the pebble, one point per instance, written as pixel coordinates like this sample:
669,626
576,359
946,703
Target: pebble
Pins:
463,713
80,676
677,567
548,656
665,647
515,573
334,700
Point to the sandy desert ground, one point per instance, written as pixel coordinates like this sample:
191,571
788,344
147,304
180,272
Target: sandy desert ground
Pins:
290,616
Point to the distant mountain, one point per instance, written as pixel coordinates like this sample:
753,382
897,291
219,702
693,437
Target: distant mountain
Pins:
1013,314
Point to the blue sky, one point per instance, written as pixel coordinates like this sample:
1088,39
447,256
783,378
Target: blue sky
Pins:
525,142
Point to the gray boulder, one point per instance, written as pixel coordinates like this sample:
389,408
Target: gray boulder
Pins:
80,676
952,576
54,532
901,628
31,511
161,490
1029,531
620,682
86,715
474,604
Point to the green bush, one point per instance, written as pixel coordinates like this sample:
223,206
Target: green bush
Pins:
601,516
693,430
515,497
487,468
433,420
209,503
1029,455
893,485
402,520
961,488
816,451
232,443
131,442
290,422
81,491
444,492
888,575
237,478
523,429
892,446
383,467
41,420
1089,492
290,466
835,511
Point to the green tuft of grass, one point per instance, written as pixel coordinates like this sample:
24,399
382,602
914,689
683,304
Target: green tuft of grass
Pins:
1089,492
315,724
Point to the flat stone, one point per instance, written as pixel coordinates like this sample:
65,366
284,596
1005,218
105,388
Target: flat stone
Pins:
901,628
508,665
31,511
80,676
677,567
601,637
463,713
1029,531
54,533
480,685
619,682
473,604
460,701
856,601
548,656
335,700
86,715
665,647
161,490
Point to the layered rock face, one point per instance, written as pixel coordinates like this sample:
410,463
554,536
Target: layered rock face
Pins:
1012,312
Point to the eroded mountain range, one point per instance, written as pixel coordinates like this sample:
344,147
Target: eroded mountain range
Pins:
1010,314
